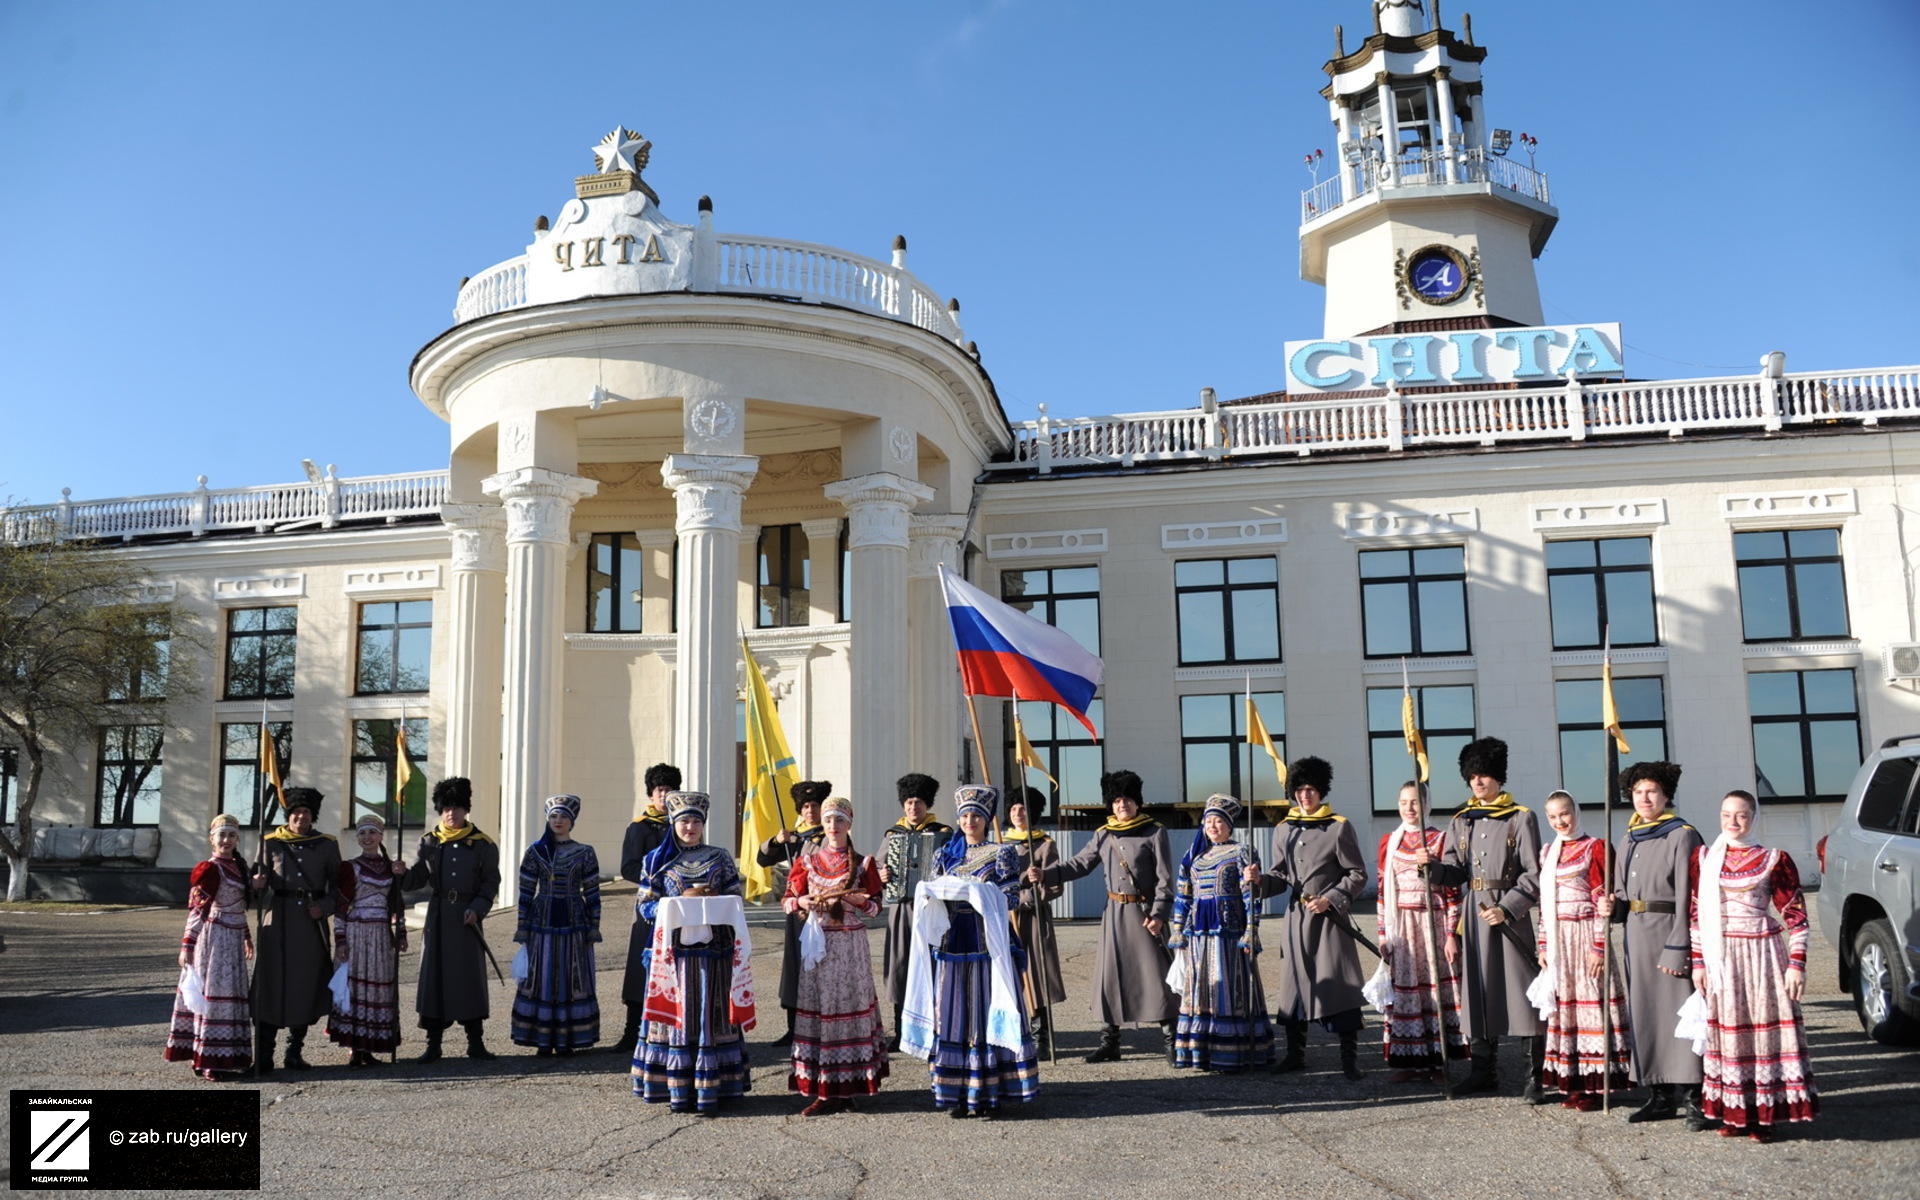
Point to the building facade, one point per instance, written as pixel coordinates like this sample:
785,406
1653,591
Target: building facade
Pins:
661,435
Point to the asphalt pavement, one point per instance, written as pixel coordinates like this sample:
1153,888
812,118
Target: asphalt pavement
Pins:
85,999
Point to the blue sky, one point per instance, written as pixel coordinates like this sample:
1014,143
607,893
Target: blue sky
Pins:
227,227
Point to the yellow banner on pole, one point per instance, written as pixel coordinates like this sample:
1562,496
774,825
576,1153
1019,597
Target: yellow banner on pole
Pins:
771,774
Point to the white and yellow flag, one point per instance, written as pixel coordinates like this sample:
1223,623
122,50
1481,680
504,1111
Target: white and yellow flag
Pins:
771,774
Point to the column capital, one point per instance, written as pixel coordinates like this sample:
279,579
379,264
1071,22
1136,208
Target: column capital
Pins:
878,505
655,539
821,528
935,541
706,489
539,502
478,533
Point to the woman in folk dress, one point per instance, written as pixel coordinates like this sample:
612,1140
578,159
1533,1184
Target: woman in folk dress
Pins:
369,935
217,946
1421,952
556,1008
1586,1010
839,1046
1223,1023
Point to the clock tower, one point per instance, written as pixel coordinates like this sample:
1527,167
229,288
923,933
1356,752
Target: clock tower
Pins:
1427,220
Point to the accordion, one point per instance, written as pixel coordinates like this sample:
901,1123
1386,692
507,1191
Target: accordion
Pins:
909,859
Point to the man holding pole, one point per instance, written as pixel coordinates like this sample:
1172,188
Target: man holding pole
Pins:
778,853
297,871
906,857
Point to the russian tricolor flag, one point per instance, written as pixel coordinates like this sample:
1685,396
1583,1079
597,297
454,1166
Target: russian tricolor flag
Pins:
1005,652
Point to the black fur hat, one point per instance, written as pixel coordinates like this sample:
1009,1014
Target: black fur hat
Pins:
1488,757
810,791
1032,799
1666,774
663,775
1310,771
302,797
1120,785
915,786
452,792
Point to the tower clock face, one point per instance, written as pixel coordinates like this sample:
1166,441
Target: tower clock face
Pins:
1437,274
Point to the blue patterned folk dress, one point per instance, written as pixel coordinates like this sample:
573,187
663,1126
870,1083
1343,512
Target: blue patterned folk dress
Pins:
557,1006
967,1069
704,1060
1223,1023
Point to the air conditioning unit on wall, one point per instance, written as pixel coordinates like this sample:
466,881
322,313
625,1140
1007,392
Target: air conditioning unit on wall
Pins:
1902,660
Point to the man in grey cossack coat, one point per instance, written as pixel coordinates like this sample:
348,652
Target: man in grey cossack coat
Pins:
462,865
1653,863
1317,852
1130,968
1493,855
297,873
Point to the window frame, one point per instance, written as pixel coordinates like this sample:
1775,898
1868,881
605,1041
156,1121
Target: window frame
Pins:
1226,589
360,630
147,780
159,633
1790,563
1805,720
9,784
1397,734
384,758
1598,573
247,807
618,586
1051,730
790,570
1236,741
257,640
1562,728
1052,599
1411,582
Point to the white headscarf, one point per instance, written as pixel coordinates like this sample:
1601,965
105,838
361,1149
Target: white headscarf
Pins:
1712,936
1545,989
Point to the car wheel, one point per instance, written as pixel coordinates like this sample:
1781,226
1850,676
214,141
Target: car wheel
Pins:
1880,986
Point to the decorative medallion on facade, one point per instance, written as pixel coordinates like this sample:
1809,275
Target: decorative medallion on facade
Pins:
713,419
1409,526
1434,274
1264,531
1047,543
901,444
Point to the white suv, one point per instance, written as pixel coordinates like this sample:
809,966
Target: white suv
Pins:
1870,891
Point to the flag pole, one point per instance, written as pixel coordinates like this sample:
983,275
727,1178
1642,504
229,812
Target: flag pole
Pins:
979,746
395,905
1435,954
1610,714
1036,975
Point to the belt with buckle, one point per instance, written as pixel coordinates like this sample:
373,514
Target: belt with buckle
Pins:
1129,898
454,896
1651,906
1489,885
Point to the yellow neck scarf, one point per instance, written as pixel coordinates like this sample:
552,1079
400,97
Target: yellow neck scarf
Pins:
1024,835
1114,825
1638,823
443,835
1500,806
1324,813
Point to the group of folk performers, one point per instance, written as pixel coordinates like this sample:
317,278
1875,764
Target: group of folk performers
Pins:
1483,934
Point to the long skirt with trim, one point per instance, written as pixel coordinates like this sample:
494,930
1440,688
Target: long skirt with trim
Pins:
372,1020
222,1038
965,1067
1223,1023
1756,1068
839,1043
557,1006
1576,1051
1411,1032
702,1061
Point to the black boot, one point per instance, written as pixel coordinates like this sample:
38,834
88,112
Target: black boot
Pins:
1296,1056
296,1040
1483,1073
263,1039
629,1033
432,1052
1168,1030
1697,1118
1535,1089
1109,1048
1350,1056
1040,1030
1659,1105
476,1048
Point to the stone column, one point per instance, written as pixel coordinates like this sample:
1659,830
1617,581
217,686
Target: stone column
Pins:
471,739
878,507
706,493
539,504
823,557
936,672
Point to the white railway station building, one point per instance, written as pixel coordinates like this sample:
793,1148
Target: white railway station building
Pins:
660,434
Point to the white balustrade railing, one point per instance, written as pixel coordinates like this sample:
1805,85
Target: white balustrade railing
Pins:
1393,421
1425,168
206,510
754,266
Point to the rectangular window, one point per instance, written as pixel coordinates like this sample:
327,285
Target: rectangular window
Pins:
396,645
1065,597
615,570
1806,733
1228,610
1214,750
146,673
1601,586
1414,602
1792,585
128,792
240,780
1642,703
1446,723
1072,755
846,576
373,770
260,648
785,581
9,785
1885,802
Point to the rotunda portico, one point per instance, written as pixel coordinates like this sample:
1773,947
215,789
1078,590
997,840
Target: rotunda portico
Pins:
688,388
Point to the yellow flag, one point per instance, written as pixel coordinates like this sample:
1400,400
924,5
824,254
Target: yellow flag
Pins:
402,769
1023,751
1257,735
1609,715
1416,745
270,771
771,774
